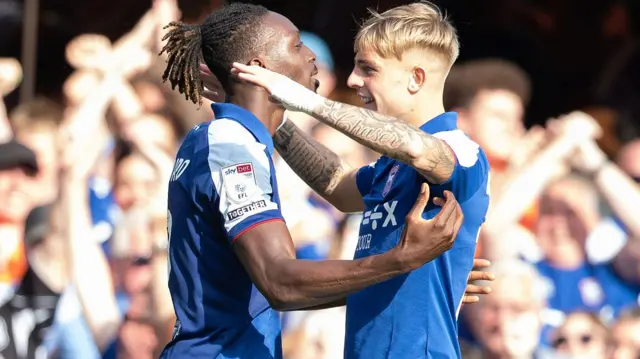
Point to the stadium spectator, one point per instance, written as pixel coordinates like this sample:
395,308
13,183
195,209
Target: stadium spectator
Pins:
508,323
582,335
625,336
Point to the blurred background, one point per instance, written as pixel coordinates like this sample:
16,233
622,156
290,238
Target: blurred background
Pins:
88,135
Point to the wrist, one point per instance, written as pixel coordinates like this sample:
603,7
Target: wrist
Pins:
399,261
594,171
296,97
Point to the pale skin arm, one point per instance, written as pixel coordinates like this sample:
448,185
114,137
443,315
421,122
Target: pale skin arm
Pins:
387,135
88,266
621,192
522,189
392,137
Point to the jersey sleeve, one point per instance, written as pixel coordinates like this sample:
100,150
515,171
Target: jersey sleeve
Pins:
471,171
242,176
364,178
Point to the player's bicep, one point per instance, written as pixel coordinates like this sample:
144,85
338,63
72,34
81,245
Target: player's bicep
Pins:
259,247
471,170
242,177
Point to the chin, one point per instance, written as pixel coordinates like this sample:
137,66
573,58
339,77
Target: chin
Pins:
370,106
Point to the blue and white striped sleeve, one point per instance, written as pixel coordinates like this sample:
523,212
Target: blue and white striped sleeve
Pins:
471,171
242,176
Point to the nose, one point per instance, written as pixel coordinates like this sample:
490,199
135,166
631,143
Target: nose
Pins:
312,55
355,81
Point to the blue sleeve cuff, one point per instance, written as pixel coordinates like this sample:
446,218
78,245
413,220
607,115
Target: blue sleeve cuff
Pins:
252,222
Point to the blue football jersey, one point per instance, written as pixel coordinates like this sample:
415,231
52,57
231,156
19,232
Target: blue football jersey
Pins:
415,315
223,184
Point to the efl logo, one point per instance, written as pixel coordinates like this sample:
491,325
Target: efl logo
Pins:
244,168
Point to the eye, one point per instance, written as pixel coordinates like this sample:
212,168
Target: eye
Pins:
368,69
299,45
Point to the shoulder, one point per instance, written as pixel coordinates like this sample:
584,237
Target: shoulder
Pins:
468,152
230,143
225,131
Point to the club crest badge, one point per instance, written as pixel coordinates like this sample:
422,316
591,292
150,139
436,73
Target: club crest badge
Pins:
389,184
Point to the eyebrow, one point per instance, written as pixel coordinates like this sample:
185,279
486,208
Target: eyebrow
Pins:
361,62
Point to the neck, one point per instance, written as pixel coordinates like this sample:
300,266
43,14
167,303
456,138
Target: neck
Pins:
257,102
429,107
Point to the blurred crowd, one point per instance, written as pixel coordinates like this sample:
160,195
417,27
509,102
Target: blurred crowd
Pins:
83,262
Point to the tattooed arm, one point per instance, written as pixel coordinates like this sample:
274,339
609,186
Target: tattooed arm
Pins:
319,168
430,156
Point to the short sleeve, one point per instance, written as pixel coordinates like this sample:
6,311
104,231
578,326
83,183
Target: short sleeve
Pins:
364,178
471,171
242,175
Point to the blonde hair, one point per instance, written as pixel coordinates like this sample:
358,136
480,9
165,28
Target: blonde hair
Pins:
39,114
420,25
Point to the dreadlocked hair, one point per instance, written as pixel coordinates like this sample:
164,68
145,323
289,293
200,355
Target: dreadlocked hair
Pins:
225,36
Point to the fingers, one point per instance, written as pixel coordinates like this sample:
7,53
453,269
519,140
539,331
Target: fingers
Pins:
458,215
470,299
421,202
481,275
479,263
247,73
204,68
477,289
448,209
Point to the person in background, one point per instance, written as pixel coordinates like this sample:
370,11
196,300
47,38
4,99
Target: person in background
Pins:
17,164
582,335
625,336
35,124
568,217
490,97
508,323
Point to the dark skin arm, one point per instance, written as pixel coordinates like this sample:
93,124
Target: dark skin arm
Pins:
319,167
267,253
471,294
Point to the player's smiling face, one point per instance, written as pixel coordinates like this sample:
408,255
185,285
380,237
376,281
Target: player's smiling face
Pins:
382,83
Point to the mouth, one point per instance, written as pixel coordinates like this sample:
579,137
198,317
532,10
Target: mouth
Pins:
366,99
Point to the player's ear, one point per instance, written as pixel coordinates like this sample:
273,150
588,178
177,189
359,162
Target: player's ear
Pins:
256,61
417,79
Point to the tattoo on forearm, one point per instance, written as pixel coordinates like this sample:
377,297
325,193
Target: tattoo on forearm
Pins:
318,166
391,137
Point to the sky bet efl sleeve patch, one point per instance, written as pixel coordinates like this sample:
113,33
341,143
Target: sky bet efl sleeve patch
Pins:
239,182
